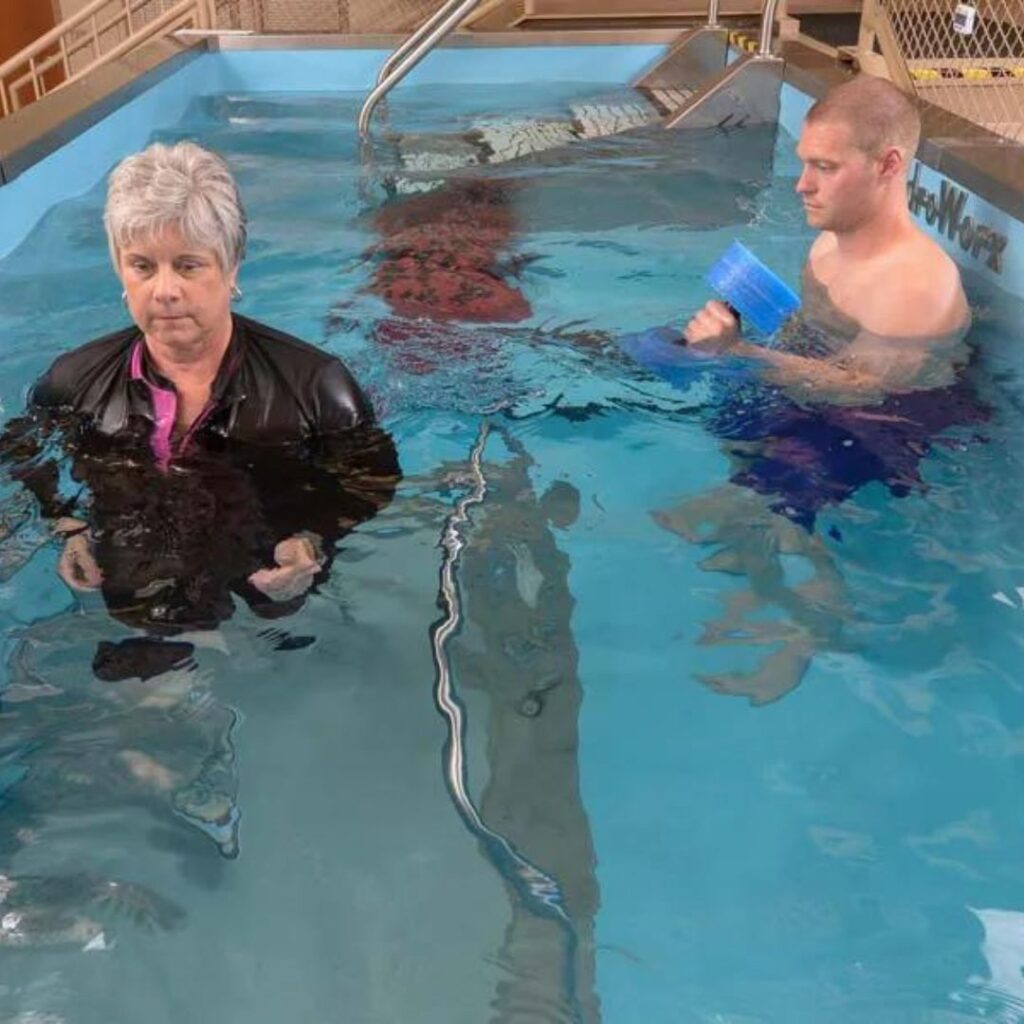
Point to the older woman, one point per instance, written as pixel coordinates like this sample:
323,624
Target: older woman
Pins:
219,454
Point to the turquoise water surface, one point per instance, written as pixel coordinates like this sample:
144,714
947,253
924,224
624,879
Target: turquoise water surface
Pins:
768,775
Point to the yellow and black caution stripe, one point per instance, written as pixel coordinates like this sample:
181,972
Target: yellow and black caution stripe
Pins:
966,74
741,41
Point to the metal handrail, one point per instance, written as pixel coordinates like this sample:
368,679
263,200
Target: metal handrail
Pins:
447,19
424,30
764,47
38,61
451,14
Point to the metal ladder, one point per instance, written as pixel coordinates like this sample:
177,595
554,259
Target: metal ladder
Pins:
693,85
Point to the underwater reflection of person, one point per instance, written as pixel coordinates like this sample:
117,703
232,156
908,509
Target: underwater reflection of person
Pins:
517,650
444,261
212,455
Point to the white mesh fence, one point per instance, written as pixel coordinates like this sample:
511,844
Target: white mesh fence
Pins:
967,58
324,15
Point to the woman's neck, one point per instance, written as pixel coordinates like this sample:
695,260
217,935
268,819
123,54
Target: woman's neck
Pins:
195,366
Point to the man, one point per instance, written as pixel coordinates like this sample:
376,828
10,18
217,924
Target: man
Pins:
870,266
852,393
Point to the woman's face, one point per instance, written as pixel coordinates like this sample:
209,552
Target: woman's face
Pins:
177,293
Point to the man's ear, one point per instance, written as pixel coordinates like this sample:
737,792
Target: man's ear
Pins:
892,162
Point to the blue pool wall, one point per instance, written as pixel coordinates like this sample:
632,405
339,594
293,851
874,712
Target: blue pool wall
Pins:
76,167
80,164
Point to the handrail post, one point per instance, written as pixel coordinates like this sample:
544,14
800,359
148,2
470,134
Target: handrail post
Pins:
412,57
64,58
424,30
764,48
713,13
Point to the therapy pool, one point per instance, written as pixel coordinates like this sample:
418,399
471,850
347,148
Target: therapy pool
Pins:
719,766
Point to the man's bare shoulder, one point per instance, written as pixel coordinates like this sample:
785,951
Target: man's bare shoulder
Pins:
917,293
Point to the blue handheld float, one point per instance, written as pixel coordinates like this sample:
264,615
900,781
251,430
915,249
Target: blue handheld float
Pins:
662,351
757,294
742,280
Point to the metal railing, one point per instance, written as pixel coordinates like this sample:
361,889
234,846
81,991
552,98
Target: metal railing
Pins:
442,23
451,14
101,32
764,46
968,59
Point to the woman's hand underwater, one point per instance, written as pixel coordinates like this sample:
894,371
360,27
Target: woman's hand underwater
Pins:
298,562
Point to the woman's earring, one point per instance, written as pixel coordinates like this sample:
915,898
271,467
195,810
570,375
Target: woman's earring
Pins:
124,298
236,292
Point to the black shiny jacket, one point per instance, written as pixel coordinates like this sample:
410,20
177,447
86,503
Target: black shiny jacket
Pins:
290,446
272,388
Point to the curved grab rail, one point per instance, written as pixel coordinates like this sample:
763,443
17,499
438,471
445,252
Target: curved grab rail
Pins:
764,48
440,25
422,32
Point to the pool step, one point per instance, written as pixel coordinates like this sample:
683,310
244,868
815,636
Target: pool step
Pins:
669,101
499,140
598,118
509,138
697,86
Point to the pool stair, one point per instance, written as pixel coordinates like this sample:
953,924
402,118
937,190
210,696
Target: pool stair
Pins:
692,86
424,159
697,86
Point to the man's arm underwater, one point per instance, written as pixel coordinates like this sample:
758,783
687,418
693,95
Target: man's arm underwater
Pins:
870,367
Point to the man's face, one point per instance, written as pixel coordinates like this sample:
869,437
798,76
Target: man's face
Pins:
177,293
841,186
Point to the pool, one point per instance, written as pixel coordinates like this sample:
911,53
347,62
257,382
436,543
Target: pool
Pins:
846,846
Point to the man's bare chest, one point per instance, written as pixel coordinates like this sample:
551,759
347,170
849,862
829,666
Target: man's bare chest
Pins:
852,288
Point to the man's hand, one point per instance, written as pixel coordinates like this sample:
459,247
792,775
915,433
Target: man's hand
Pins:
714,328
77,566
297,563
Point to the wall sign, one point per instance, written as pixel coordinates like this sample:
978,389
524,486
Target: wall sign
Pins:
945,210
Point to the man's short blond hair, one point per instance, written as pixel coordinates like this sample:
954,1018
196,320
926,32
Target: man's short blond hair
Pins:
879,114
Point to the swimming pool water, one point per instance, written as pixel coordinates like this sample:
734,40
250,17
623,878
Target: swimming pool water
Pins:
845,850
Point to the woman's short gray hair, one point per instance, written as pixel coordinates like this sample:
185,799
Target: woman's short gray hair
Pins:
182,186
